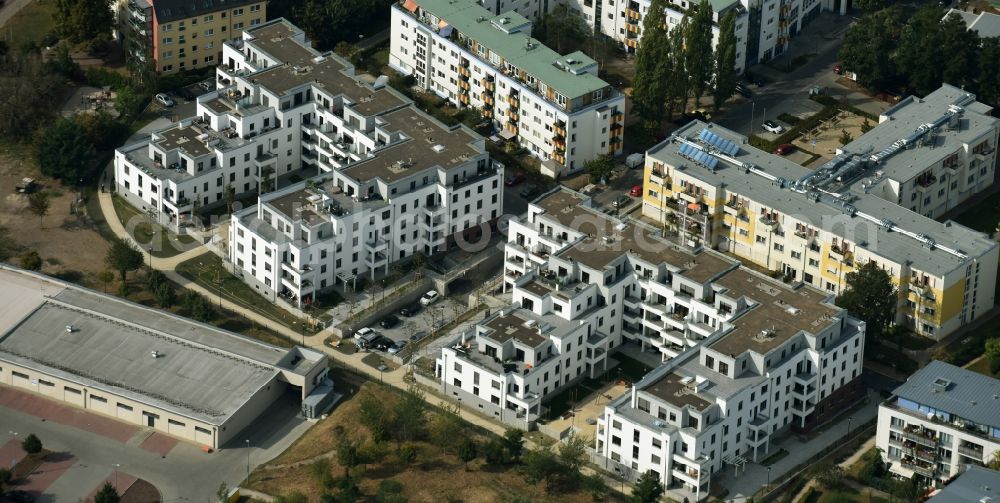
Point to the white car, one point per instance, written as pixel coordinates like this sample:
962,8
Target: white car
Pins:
429,298
397,347
773,127
165,100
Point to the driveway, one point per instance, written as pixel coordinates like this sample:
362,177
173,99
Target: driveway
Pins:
429,317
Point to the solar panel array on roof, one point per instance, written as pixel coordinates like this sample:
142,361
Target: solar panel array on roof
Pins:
725,146
698,156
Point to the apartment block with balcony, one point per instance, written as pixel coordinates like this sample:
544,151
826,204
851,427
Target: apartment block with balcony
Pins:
786,359
553,105
934,152
173,35
706,185
940,421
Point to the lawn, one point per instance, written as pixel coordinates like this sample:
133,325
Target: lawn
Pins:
207,270
150,236
982,366
984,216
963,350
31,23
629,369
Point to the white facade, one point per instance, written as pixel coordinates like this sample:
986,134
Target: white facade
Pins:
554,106
940,421
393,181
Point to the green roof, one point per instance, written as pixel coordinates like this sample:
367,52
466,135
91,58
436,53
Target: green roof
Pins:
519,49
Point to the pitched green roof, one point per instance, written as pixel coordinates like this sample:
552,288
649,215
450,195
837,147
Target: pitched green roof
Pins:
519,49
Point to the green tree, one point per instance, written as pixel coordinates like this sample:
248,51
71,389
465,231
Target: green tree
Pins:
347,456
652,67
31,261
374,415
38,203
8,247
647,489
960,48
165,295
64,152
494,452
561,29
320,471
62,63
866,126
513,440
677,83
409,419
988,78
123,257
102,130
931,51
595,485
845,137
467,450
599,167
31,444
698,50
5,477
197,306
106,276
871,5
129,103
390,491
222,493
107,494
83,20
725,61
868,47
407,453
443,427
870,297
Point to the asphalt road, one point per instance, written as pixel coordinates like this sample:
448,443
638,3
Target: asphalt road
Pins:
9,8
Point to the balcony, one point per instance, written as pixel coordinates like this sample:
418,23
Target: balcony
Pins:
975,452
377,245
912,464
918,435
768,222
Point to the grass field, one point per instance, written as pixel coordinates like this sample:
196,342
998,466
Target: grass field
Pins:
984,216
151,237
30,24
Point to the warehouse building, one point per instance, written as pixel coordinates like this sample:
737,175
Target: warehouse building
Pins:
143,366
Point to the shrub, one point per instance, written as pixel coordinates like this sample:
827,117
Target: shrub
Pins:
31,444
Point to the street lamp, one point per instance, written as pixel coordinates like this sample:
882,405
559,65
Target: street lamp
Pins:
768,486
381,366
849,419
116,466
248,461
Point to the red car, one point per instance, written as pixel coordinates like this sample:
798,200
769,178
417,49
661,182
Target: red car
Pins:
838,69
784,149
636,191
514,179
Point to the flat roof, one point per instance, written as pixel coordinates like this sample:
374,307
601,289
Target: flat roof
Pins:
202,372
891,245
986,24
184,138
910,115
512,326
975,484
955,390
673,389
488,29
779,310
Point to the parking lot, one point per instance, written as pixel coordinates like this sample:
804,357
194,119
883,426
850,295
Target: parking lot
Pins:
422,323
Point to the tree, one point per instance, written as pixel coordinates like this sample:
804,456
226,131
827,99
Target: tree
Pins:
870,297
38,203
595,485
107,494
7,245
102,130
725,61
599,167
83,20
347,456
197,307
652,67
31,261
407,453
677,83
123,257
561,29
409,419
106,276
31,444
320,471
128,102
441,430
698,50
64,152
374,416
390,491
467,450
222,493
494,452
988,79
866,126
870,5
868,47
845,137
647,489
5,477
513,440
230,196
165,295
28,89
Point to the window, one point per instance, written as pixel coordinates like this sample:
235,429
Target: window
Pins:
125,407
199,429
71,390
99,399
173,422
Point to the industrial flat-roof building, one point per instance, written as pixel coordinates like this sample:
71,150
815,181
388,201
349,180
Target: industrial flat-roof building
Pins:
140,365
941,420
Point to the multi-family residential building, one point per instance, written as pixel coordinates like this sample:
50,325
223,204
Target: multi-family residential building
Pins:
934,152
582,283
985,24
939,422
554,106
173,35
707,185
394,181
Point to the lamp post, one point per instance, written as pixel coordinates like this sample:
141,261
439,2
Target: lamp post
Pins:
849,419
248,461
13,461
381,365
768,486
116,466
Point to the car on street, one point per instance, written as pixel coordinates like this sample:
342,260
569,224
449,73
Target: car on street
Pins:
389,321
429,298
165,100
838,69
514,179
636,191
622,202
397,347
784,149
410,310
773,127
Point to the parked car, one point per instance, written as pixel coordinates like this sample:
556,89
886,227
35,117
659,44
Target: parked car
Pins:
757,80
206,85
363,337
744,91
784,149
165,100
514,179
527,191
397,347
636,191
838,69
773,127
185,93
389,321
622,202
702,114
429,298
410,310
381,343
418,336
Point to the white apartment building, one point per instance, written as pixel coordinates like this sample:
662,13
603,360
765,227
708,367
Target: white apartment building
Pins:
935,152
392,180
555,106
706,185
787,360
941,420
